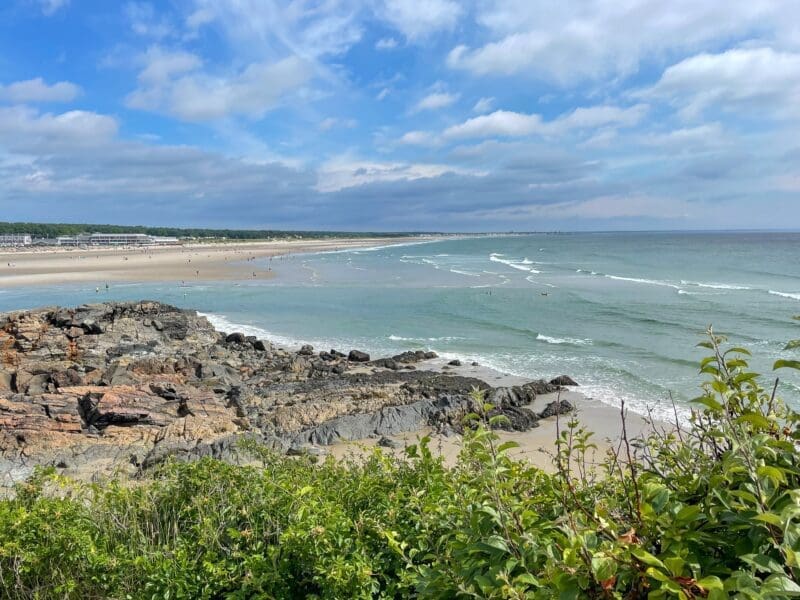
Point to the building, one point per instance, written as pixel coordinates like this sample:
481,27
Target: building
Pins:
15,239
116,239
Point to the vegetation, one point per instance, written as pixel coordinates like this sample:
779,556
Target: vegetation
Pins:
53,230
710,511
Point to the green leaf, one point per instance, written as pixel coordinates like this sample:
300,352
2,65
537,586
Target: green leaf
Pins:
708,402
646,558
786,364
773,474
710,583
755,419
781,583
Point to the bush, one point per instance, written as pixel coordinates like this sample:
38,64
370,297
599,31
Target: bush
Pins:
707,511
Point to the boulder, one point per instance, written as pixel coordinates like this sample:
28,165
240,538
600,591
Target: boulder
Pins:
236,338
564,380
358,356
455,363
556,408
306,350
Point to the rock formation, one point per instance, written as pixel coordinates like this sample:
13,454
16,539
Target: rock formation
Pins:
121,386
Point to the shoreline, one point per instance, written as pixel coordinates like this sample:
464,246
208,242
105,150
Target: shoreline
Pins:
603,419
232,261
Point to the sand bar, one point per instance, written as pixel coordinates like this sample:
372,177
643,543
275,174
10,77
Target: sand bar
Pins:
234,261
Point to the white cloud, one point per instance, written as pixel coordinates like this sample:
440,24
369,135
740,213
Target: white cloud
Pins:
382,94
416,19
36,90
386,44
483,105
344,173
145,21
435,101
161,65
331,122
512,124
24,129
571,41
170,83
269,28
750,79
50,7
418,138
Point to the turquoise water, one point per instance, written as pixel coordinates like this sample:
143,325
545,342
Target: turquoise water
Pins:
622,312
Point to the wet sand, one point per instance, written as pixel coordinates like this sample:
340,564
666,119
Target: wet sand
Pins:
190,263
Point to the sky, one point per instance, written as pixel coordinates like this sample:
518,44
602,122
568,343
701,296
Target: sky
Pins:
402,115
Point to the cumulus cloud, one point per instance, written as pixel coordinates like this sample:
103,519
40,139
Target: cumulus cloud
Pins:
418,138
171,83
435,101
417,20
24,129
760,79
574,41
36,90
505,123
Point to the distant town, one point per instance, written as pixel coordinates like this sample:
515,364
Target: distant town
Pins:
88,239
20,235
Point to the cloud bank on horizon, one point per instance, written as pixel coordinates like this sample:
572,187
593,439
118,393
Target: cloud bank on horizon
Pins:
467,115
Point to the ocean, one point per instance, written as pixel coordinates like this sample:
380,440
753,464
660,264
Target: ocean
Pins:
619,312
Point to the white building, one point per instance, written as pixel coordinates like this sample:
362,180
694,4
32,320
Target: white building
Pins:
116,239
15,239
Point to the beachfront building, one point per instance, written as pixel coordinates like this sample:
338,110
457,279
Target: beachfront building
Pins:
15,239
116,239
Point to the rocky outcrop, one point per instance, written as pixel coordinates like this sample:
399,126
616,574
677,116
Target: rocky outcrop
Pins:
122,386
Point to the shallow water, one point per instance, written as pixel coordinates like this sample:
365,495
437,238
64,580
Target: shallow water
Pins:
622,312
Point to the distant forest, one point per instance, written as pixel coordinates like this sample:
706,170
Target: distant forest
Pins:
52,230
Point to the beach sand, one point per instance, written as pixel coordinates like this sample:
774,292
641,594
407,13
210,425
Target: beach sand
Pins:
538,445
196,262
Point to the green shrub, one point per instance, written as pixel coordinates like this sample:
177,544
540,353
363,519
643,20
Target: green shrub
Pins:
706,511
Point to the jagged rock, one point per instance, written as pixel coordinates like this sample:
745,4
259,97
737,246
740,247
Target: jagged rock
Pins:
385,442
556,408
564,380
358,356
120,386
306,350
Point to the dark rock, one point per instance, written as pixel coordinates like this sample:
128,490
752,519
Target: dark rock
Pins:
565,380
455,363
306,350
385,442
260,346
358,356
235,338
556,408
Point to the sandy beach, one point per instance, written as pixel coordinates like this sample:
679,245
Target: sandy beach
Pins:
192,262
537,445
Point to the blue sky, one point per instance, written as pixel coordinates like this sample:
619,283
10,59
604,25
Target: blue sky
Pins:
402,114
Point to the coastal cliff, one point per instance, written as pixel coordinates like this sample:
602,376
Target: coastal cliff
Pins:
119,387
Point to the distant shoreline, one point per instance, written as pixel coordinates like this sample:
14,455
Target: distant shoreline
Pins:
196,262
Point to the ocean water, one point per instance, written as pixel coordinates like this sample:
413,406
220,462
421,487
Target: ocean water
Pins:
620,312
